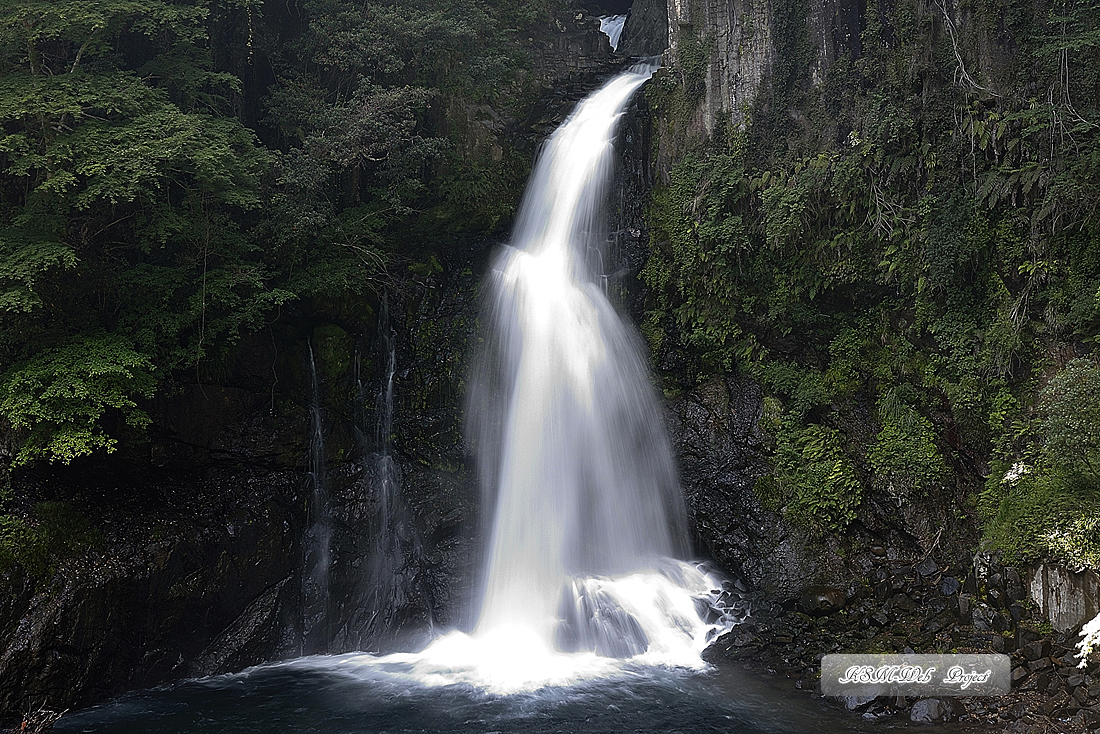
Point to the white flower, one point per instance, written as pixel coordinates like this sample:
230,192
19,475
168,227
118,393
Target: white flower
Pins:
1013,475
1090,638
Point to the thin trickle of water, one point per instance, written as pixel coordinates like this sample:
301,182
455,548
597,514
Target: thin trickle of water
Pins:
395,593
612,27
318,562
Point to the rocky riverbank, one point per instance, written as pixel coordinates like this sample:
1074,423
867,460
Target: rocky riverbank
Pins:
927,607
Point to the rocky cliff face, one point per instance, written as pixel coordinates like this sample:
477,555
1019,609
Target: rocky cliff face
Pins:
723,58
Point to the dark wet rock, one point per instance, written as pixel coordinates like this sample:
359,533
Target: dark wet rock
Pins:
926,567
903,602
215,588
817,600
856,703
949,586
1035,650
965,601
645,32
1014,587
982,619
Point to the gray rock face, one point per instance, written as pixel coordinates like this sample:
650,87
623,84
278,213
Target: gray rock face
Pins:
744,51
719,447
646,30
1068,597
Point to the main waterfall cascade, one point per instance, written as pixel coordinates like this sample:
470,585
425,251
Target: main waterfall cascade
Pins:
584,483
581,577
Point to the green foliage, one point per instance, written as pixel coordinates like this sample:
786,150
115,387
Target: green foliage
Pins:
1070,408
120,218
1045,512
55,532
1076,541
58,396
145,229
904,455
694,55
1048,502
813,480
859,243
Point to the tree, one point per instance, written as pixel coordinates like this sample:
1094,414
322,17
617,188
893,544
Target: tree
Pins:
124,190
1070,407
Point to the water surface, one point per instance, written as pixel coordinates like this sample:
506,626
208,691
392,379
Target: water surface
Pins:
335,695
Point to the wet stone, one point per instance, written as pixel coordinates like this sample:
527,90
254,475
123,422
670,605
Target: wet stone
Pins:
821,600
982,620
857,703
1040,664
904,603
1014,587
929,711
949,586
927,567
1036,650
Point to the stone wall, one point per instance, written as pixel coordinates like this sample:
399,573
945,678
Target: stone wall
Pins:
1067,598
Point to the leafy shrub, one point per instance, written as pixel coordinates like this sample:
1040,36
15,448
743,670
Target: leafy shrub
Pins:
904,454
1070,408
1050,505
813,481
59,396
1043,512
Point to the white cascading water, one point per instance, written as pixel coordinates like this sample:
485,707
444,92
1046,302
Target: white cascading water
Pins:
585,483
612,27
581,579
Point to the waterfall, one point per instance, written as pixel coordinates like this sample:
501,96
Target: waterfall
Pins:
612,27
585,482
581,573
318,545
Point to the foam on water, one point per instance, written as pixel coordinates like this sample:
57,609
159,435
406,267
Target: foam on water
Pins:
511,659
